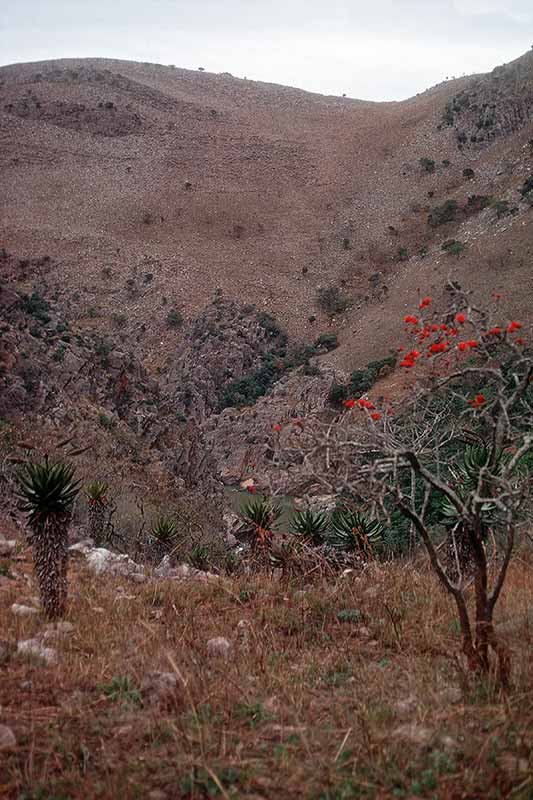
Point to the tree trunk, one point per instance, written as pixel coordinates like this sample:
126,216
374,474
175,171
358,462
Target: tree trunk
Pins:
50,556
97,522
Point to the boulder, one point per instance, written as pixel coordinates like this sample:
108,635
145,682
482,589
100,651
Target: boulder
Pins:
219,647
7,738
34,649
20,610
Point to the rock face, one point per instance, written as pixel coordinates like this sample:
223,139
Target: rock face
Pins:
102,561
495,105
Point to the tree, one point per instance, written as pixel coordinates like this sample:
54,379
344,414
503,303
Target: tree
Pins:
47,492
96,493
452,454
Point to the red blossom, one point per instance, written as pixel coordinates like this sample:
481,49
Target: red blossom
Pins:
411,320
514,326
520,341
439,347
494,331
251,489
478,401
425,302
462,346
276,427
363,403
376,415
349,403
460,318
472,343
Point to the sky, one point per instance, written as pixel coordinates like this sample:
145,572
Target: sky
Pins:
373,50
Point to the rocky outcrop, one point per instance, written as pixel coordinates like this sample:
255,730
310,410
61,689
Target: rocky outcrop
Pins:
494,105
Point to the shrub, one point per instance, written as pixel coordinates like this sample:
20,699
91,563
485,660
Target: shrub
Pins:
327,341
468,173
174,318
453,247
353,532
346,243
97,499
361,380
427,164
503,208
441,215
478,202
331,300
106,422
37,306
260,517
403,254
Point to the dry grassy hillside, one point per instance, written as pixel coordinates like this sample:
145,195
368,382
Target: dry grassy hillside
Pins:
117,170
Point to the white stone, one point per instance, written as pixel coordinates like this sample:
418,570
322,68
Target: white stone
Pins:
23,611
219,647
57,630
7,738
101,561
34,649
7,546
414,733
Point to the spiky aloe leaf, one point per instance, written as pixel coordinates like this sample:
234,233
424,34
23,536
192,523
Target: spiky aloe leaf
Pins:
352,531
310,525
47,489
164,529
466,474
96,491
261,513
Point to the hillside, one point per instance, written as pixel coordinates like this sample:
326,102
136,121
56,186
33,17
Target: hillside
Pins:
136,195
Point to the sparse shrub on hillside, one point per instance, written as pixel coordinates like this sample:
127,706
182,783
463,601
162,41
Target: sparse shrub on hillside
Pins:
102,348
120,319
37,306
361,380
446,163
478,202
403,254
327,341
527,186
332,300
148,218
468,173
441,215
427,164
106,421
47,492
174,318
346,243
453,247
503,208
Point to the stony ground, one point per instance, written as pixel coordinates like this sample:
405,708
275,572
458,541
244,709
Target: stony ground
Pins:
327,687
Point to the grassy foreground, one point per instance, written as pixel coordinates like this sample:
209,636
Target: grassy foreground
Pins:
334,688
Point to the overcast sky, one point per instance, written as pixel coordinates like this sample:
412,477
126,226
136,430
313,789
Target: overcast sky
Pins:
375,50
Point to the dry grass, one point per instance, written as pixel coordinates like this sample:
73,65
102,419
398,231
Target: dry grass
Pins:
307,706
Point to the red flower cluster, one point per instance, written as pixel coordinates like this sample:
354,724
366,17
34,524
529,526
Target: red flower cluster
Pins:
469,345
425,302
478,401
410,359
496,331
276,427
363,403
349,403
438,347
411,320
514,326
460,318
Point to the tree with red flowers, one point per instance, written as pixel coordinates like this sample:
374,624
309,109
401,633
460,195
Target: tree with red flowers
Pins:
452,455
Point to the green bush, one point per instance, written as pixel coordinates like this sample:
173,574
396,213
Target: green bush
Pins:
427,164
174,318
331,300
327,341
361,380
453,247
468,173
37,306
441,215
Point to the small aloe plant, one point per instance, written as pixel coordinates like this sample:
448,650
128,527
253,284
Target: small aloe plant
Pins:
163,534
260,519
310,526
47,492
97,499
353,532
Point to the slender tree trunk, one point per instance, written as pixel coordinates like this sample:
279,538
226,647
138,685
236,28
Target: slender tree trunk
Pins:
97,523
50,556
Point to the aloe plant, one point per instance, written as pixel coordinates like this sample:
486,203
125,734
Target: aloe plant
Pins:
163,534
47,492
353,532
260,518
96,493
310,526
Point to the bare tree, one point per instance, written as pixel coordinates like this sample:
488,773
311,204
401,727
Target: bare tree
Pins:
450,454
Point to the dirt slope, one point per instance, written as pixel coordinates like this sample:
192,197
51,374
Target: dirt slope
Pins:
206,181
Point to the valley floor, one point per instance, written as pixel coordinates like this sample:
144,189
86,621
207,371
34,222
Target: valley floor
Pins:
328,687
